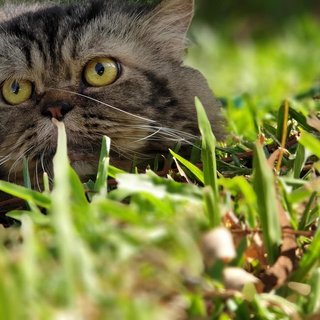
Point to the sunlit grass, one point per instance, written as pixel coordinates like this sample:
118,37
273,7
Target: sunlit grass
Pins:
269,69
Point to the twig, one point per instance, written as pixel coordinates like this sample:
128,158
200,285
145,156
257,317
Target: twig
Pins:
297,233
284,134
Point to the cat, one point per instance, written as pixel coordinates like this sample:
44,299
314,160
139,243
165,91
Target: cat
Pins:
112,67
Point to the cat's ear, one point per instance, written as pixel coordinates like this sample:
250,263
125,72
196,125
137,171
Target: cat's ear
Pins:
169,22
176,13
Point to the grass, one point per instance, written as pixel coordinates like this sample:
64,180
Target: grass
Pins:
151,249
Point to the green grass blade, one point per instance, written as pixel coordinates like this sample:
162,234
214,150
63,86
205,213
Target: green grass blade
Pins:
208,148
310,142
36,217
26,174
113,171
305,219
70,217
301,119
169,157
10,293
61,214
46,183
280,123
314,303
117,210
190,166
30,268
239,185
26,194
305,192
310,259
77,190
103,168
208,155
299,161
264,186
211,207
150,183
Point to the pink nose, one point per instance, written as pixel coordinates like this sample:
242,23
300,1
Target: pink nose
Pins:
56,110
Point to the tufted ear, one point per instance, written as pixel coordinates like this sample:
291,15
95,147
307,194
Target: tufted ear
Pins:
169,23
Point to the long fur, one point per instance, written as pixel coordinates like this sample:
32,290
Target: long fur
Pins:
147,110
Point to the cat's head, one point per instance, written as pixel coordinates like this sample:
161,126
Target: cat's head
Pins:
103,68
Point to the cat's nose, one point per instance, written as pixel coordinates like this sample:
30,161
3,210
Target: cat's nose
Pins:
56,110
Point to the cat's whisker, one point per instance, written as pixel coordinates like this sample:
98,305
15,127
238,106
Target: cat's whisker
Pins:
130,154
6,158
123,153
148,137
45,166
175,135
143,127
42,161
103,103
180,133
161,134
171,137
18,159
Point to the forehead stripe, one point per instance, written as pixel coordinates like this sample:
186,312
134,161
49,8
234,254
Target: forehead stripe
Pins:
27,40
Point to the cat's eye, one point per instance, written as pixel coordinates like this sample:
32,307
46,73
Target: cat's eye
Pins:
101,72
15,92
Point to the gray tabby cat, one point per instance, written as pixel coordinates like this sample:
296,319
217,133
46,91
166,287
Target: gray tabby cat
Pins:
111,67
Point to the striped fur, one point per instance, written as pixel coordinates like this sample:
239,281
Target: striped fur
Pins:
148,109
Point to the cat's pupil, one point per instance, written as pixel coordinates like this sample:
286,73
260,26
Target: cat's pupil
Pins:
15,87
100,69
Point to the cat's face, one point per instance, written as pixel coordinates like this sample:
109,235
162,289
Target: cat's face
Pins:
103,68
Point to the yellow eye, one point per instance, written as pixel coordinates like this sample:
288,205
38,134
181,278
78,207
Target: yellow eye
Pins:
101,72
16,92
